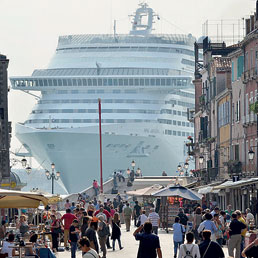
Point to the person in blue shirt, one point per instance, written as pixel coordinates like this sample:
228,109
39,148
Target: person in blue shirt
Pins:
179,231
149,243
208,225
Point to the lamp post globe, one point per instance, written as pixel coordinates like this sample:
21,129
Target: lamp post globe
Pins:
24,162
53,166
251,154
28,169
201,159
133,164
179,167
47,173
186,165
58,174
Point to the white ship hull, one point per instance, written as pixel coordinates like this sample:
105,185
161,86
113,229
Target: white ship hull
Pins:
76,153
144,81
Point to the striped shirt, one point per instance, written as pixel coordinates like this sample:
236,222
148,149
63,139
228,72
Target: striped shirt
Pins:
154,219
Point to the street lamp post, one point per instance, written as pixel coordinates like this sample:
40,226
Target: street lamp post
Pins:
186,168
52,176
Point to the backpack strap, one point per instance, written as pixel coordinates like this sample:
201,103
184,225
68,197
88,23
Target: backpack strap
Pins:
184,246
191,250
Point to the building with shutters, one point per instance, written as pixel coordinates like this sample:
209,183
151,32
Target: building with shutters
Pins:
250,79
5,127
212,118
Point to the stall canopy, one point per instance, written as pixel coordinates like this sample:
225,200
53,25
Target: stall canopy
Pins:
179,191
146,191
18,199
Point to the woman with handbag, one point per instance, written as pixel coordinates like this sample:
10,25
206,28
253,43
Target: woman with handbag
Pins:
103,232
116,232
55,231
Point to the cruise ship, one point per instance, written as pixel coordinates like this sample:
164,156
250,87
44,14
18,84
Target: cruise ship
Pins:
144,81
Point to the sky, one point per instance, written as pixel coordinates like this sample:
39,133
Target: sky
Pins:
29,30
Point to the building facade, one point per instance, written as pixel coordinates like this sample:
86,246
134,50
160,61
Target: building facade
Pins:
5,127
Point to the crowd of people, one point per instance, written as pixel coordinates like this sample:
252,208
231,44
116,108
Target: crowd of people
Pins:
93,227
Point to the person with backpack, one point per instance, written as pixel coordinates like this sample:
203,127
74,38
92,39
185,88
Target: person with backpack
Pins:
189,250
103,233
178,235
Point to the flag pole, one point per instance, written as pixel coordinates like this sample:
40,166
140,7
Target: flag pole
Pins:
100,148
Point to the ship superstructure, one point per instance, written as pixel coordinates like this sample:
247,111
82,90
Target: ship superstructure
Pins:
144,82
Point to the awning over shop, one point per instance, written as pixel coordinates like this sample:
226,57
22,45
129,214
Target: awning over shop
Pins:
179,191
19,199
147,191
237,184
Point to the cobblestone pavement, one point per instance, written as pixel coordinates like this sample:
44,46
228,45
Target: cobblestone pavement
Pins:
131,246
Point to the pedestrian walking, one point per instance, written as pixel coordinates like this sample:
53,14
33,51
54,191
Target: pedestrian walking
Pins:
95,187
67,220
136,212
143,218
85,224
209,248
189,249
116,231
178,235
120,210
234,241
103,233
127,212
243,232
220,228
249,217
208,225
91,235
149,246
87,251
155,220
183,217
55,230
197,220
74,237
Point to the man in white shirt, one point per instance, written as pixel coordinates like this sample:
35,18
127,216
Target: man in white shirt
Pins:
154,219
143,218
249,216
86,250
189,248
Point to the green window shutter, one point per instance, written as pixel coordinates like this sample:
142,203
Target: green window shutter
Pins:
232,71
240,66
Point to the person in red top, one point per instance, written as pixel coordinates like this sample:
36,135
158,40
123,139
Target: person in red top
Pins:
96,187
68,220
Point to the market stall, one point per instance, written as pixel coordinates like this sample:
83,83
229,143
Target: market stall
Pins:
146,195
172,198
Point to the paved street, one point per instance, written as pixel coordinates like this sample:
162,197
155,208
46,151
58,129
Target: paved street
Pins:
131,246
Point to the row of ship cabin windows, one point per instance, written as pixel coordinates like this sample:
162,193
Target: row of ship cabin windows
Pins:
103,82
86,121
162,121
178,133
142,111
174,122
131,49
129,101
